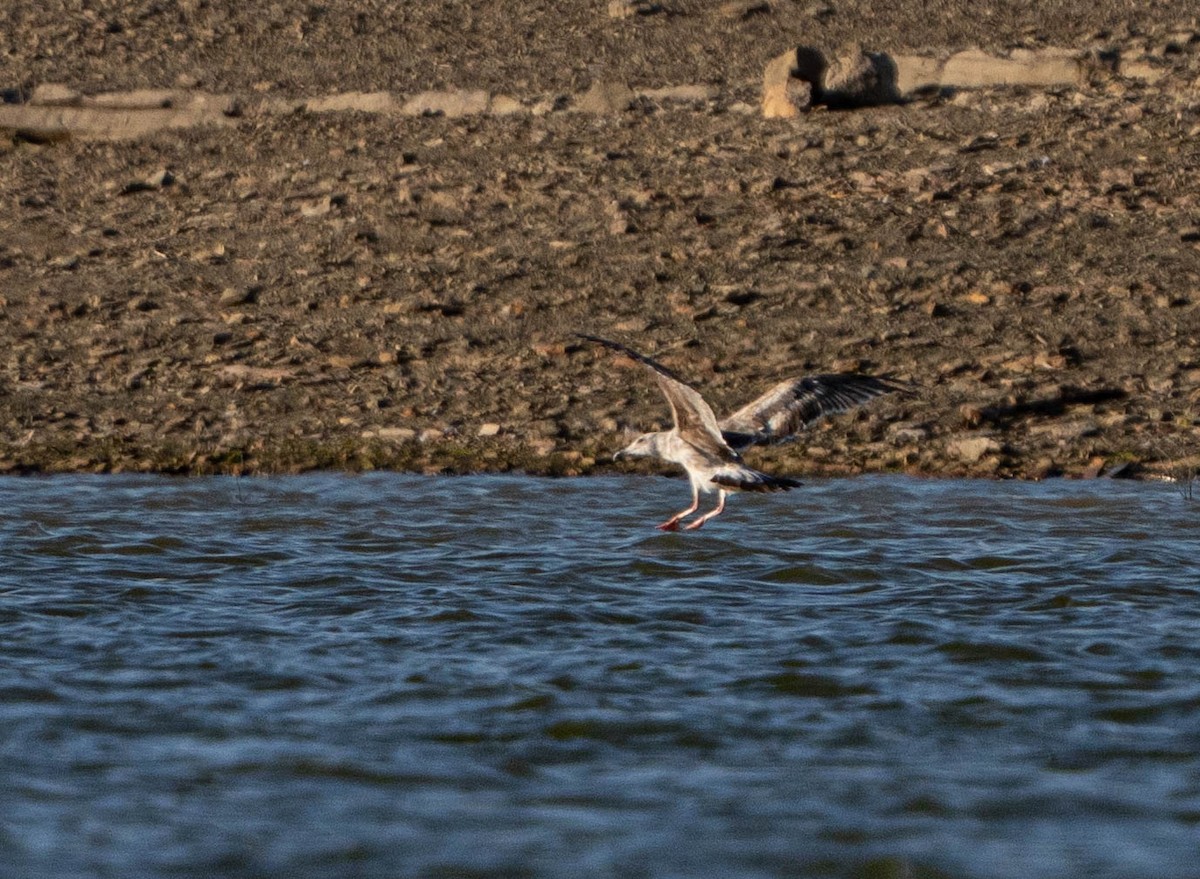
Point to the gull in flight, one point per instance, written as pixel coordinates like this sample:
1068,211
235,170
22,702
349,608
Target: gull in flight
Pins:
709,450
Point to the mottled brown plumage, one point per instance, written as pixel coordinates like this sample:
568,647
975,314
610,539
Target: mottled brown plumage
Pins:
709,450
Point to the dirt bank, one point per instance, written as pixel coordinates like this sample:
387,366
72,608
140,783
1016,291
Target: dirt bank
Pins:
362,288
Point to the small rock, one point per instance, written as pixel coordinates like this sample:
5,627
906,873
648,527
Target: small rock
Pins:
744,9
629,8
1041,67
902,432
860,79
970,449
548,349
619,220
365,102
157,180
792,82
1064,432
316,207
606,98
503,105
400,434
134,99
1142,70
491,428
136,379
232,296
683,94
54,94
460,102
789,82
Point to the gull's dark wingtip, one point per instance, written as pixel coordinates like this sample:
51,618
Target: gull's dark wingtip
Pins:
900,386
879,384
599,340
630,353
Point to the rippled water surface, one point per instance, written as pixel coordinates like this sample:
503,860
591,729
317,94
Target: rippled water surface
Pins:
391,675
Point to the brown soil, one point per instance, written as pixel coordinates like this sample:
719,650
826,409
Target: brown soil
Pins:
352,289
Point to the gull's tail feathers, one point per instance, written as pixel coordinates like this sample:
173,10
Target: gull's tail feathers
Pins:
745,479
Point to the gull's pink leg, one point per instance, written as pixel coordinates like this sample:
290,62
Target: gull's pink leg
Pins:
713,512
672,524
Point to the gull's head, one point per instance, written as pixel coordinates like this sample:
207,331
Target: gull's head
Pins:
645,446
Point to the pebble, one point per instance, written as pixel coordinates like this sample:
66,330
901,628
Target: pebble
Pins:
605,98
399,434
233,296
743,9
969,449
452,104
628,8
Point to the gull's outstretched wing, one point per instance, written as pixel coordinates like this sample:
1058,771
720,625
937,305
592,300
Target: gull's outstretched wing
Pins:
694,418
794,404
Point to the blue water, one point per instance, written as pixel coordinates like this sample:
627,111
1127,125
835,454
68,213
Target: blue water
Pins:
391,675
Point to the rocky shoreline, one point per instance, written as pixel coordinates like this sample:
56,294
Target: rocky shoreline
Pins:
324,282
